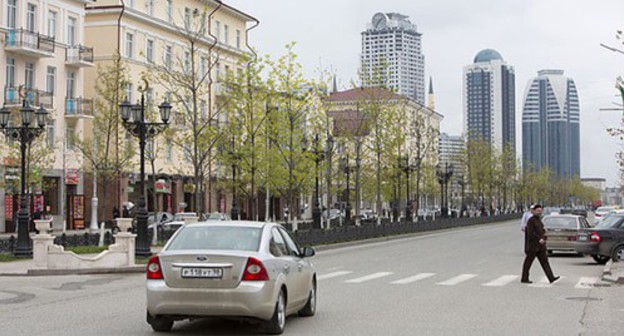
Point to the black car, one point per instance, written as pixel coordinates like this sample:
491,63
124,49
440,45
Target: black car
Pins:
605,241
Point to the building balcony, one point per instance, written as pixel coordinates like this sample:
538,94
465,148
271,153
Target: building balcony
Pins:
28,43
79,56
79,108
12,97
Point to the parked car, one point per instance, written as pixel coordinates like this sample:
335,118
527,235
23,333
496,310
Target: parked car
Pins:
161,217
605,241
604,210
216,216
231,269
562,231
579,212
551,211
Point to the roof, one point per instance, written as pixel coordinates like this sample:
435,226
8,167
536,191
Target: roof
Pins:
488,55
363,93
229,223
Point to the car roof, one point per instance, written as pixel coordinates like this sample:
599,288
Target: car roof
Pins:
564,216
251,224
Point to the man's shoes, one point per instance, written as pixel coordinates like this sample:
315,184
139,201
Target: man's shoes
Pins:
555,279
526,281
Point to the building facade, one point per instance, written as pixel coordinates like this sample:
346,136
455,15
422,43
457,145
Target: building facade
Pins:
148,34
489,100
451,152
550,124
392,43
44,57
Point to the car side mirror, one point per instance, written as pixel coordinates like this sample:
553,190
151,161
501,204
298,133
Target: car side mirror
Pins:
308,252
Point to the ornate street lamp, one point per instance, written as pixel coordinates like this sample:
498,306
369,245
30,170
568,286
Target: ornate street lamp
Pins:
344,166
133,117
407,167
319,156
25,135
444,175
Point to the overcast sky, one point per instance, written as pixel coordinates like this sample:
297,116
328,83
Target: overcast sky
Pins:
530,35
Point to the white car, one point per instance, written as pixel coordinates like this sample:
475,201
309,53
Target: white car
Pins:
231,269
603,211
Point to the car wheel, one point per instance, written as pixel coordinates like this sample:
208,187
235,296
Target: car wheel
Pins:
159,323
601,260
618,253
275,326
310,307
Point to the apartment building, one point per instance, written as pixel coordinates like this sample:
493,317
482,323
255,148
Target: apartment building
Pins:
145,33
44,58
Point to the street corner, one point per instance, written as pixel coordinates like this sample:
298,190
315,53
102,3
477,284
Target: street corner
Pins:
614,272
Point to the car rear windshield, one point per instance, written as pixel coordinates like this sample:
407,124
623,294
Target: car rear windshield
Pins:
611,221
560,223
217,238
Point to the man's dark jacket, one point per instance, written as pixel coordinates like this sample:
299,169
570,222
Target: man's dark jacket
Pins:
534,232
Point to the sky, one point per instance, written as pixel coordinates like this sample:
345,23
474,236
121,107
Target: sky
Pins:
530,35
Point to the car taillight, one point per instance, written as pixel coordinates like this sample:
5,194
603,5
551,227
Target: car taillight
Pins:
255,271
595,237
154,271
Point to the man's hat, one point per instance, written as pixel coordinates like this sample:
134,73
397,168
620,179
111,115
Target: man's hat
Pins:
535,206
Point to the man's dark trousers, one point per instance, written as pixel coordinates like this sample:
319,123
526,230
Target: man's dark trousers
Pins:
543,260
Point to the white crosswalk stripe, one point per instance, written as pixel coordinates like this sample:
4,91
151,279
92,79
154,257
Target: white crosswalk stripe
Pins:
457,280
414,278
586,282
369,277
502,281
333,275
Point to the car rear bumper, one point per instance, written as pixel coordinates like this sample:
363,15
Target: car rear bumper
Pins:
590,248
560,245
250,299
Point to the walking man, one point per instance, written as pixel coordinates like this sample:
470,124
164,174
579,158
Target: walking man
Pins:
536,246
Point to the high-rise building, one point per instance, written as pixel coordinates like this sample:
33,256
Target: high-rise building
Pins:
550,124
392,43
489,100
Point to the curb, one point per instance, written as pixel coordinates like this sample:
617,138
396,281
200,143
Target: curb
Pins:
112,270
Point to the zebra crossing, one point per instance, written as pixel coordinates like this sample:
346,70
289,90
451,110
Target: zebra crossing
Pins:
391,278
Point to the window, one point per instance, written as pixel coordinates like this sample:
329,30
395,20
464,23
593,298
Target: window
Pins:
31,18
169,150
71,31
293,248
71,84
51,79
12,14
149,52
149,96
168,56
277,246
29,76
204,109
216,238
129,92
218,30
170,11
129,44
131,3
187,61
50,134
187,18
10,72
238,39
69,137
226,34
150,7
203,66
218,71
52,23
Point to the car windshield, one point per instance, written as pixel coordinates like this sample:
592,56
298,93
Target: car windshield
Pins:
611,221
217,238
560,223
605,209
213,216
181,215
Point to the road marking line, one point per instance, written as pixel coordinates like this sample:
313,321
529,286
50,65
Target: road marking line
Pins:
544,283
586,282
502,281
457,280
414,278
333,275
369,277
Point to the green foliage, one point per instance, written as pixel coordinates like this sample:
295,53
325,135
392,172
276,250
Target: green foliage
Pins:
88,249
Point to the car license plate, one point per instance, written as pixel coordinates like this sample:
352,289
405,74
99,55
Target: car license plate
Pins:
582,238
202,272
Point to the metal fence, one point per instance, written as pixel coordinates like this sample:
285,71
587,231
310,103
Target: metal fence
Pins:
305,235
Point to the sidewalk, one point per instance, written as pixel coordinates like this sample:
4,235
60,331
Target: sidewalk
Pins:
614,272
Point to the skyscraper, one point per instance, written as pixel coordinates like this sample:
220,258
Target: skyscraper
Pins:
392,42
489,100
550,124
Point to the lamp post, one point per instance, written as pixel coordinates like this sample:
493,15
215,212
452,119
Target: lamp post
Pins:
25,135
444,175
344,165
407,167
462,184
319,156
235,212
133,117
329,149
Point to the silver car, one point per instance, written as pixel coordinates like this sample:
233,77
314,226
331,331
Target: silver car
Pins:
562,230
236,269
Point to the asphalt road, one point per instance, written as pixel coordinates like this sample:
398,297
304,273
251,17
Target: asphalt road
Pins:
461,282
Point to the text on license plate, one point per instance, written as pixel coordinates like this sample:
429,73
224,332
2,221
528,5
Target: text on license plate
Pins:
582,238
202,272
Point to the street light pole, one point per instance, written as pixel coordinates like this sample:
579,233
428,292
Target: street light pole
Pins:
25,135
143,130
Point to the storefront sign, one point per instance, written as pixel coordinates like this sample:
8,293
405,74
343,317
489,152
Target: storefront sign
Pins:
72,176
8,206
162,187
11,173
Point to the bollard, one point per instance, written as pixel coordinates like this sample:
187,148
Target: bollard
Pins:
101,242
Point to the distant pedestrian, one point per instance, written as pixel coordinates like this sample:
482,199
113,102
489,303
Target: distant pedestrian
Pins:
126,212
536,246
525,218
115,212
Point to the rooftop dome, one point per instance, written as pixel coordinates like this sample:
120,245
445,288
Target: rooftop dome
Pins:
487,55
